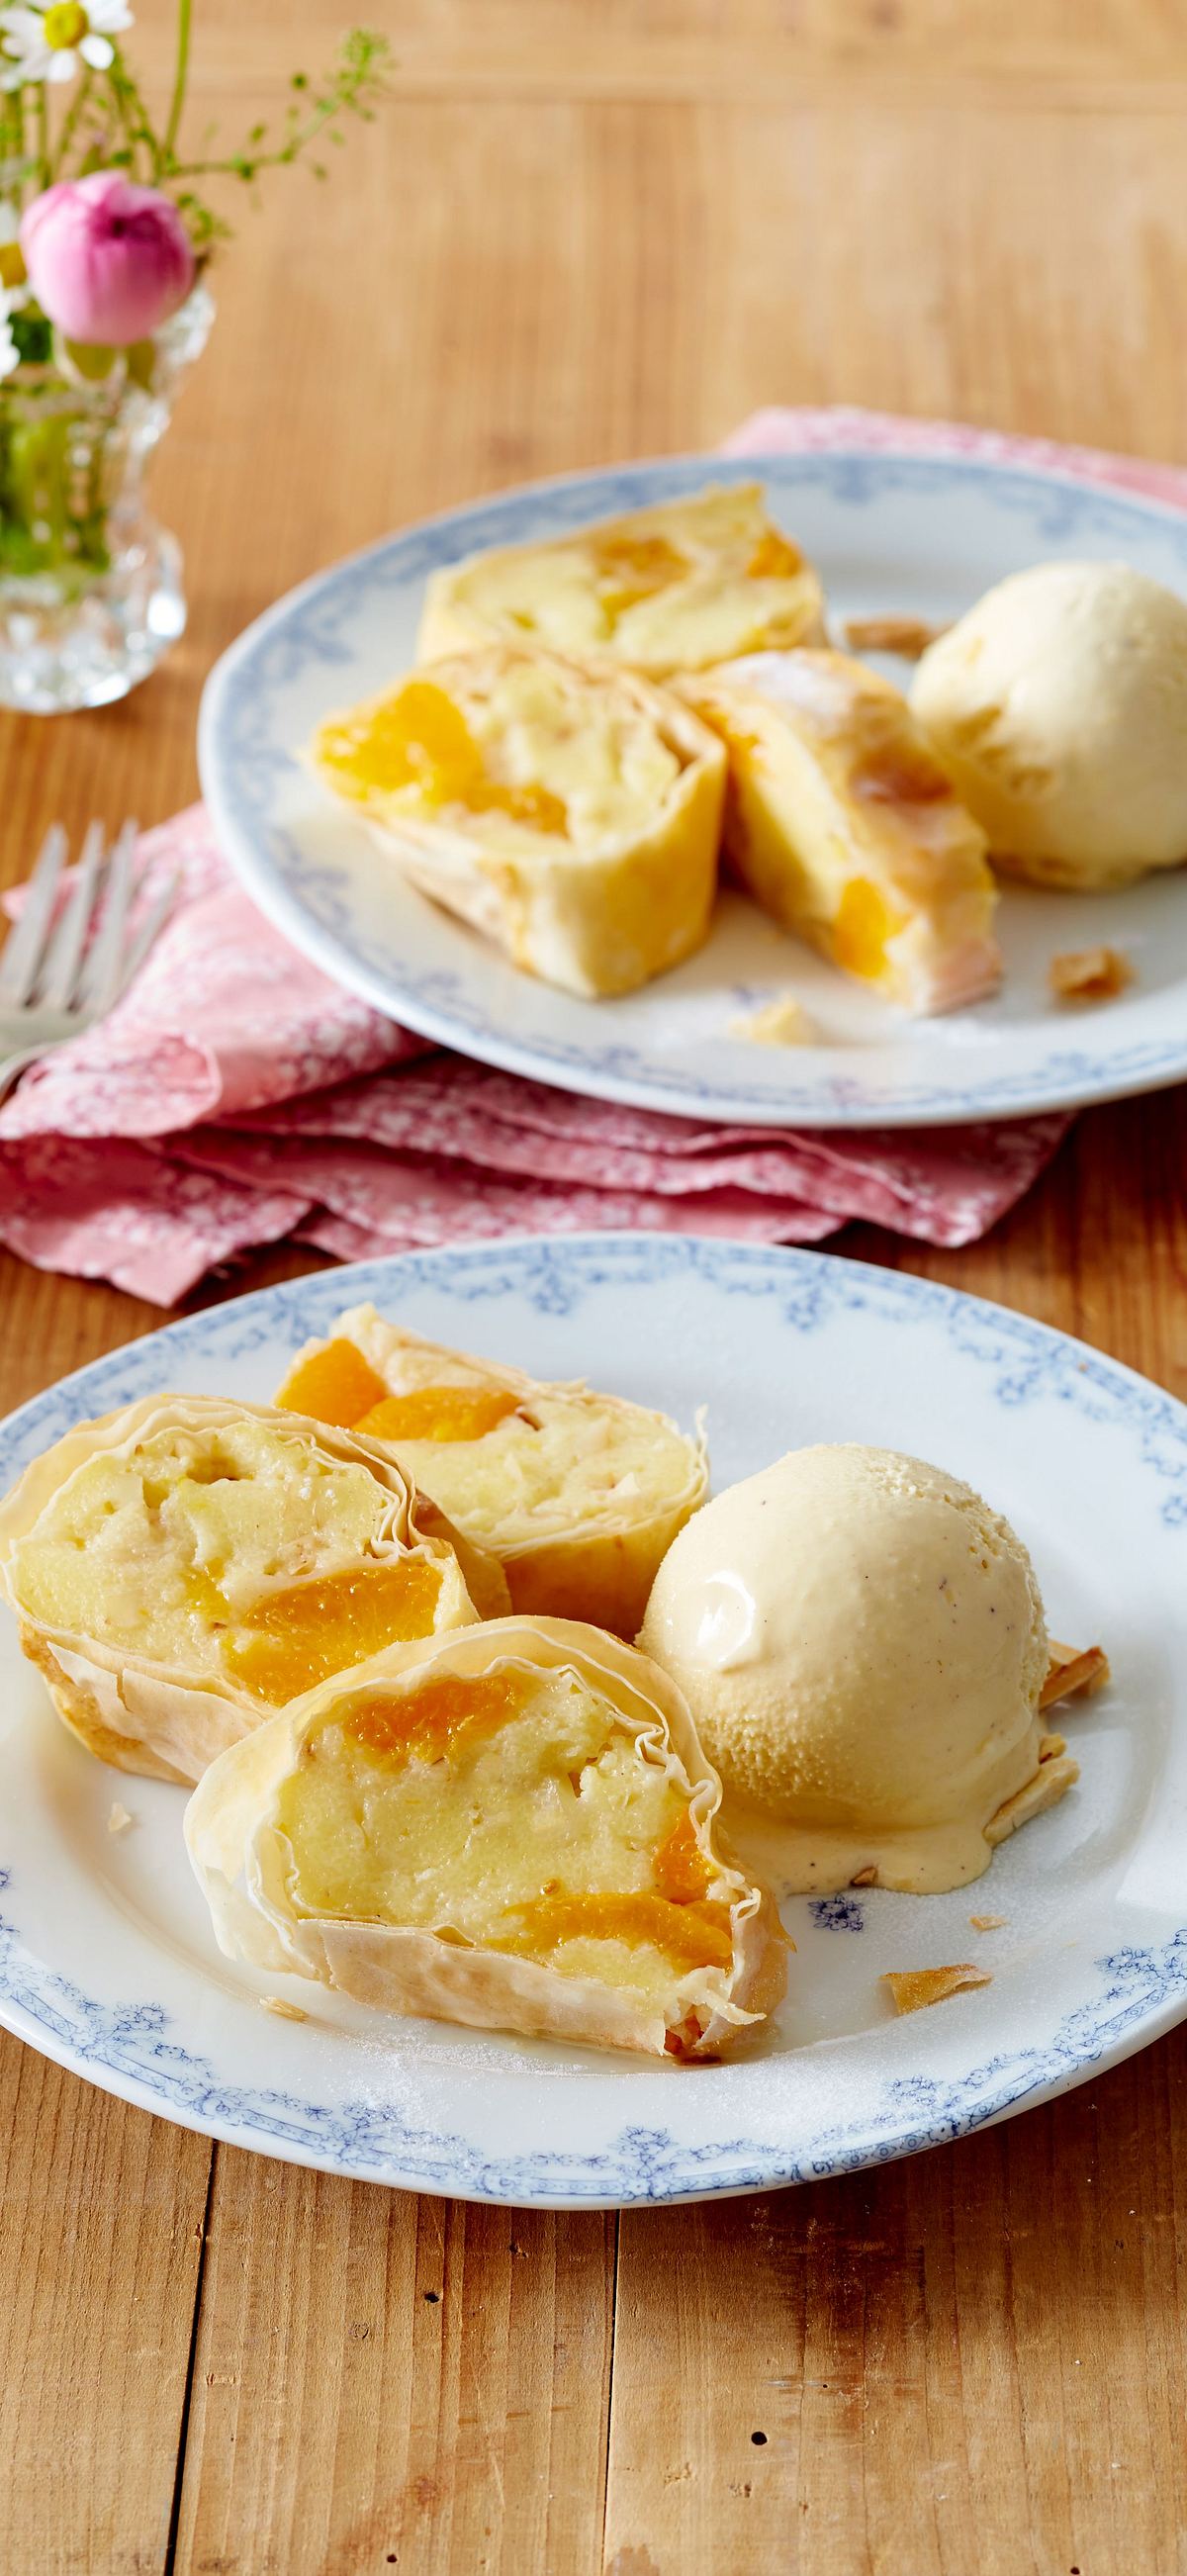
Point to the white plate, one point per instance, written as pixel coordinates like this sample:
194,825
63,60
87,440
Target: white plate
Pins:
107,1961
918,534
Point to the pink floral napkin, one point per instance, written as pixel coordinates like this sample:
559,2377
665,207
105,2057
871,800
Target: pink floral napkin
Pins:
236,1096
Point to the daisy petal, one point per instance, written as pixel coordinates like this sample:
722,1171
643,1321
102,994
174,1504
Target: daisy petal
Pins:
23,23
62,64
96,51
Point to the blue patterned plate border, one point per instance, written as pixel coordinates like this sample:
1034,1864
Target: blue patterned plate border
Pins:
924,533
83,1981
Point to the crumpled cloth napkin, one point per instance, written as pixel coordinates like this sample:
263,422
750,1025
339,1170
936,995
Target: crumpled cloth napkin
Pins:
236,1096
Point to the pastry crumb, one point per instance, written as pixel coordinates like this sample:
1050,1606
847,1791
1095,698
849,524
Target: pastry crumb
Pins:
782,1021
913,1988
1089,975
118,1819
988,1922
1073,1672
283,2009
909,637
867,1877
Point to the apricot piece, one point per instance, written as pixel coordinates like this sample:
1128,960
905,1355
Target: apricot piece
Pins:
679,1864
419,738
633,568
335,1384
691,1936
438,1413
302,1635
425,1725
863,924
204,1596
774,559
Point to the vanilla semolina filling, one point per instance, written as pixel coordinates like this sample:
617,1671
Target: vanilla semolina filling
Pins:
235,1552
512,1810
677,587
535,750
503,1468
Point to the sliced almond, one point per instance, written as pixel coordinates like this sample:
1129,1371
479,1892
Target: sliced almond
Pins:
283,2009
988,1922
909,637
912,1988
118,1819
1055,1774
867,1877
1089,975
1073,1670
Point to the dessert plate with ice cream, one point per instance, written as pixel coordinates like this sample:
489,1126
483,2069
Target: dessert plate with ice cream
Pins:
643,782
415,1768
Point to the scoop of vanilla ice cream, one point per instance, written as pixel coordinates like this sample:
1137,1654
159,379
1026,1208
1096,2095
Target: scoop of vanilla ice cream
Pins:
861,1642
1058,706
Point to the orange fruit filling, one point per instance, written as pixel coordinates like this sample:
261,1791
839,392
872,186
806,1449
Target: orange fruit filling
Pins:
691,1936
774,559
863,924
633,568
438,1413
335,1384
419,738
425,1725
309,1631
679,1864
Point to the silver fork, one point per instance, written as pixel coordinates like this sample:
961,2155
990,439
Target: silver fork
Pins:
59,973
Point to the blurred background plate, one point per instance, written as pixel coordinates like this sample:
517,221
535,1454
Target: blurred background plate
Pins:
916,535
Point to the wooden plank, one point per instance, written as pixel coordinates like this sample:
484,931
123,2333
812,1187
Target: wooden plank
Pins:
440,2373
577,235
976,2359
100,2248
528,49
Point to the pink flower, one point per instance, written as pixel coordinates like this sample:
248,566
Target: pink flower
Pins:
108,262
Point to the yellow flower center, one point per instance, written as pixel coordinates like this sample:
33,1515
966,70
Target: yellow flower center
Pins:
65,25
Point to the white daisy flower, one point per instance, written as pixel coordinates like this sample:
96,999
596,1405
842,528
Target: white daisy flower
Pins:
51,44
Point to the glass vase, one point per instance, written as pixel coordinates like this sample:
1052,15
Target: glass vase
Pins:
90,587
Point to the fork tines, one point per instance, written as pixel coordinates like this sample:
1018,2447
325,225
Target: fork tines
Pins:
75,956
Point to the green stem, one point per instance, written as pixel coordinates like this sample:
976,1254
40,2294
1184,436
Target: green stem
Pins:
180,77
70,122
297,142
43,172
128,109
15,147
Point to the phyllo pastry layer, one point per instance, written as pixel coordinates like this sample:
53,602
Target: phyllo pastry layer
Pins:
578,1495
672,588
184,1567
843,825
512,1828
570,814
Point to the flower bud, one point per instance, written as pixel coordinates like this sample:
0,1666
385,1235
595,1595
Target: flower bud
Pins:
107,262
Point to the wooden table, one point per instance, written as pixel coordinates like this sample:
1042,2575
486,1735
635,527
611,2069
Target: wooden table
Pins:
589,229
